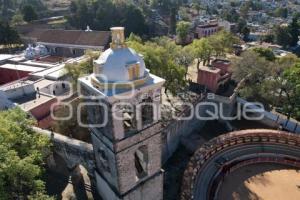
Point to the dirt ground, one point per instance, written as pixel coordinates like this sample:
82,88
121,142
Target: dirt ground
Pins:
261,182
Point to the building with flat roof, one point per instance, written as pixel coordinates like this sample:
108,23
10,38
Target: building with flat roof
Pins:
36,96
11,72
206,30
214,76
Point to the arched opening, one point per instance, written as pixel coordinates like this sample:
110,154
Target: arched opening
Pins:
141,162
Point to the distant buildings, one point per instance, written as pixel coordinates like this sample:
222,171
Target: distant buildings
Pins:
210,27
206,30
36,97
36,79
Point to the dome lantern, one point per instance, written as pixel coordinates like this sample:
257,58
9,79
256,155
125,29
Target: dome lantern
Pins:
118,38
120,64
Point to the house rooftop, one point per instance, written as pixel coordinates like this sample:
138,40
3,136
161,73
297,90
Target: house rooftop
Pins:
4,57
26,68
32,101
209,69
207,26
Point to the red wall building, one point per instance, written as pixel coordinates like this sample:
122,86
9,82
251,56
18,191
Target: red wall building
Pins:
11,72
9,75
215,75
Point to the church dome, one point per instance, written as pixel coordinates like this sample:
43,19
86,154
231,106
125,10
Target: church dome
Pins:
119,63
30,53
41,50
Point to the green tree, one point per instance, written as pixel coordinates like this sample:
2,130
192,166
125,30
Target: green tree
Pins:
243,29
67,127
281,12
251,65
182,31
294,30
230,15
222,43
17,19
202,50
8,35
22,155
197,7
290,90
159,56
29,13
183,13
273,83
269,38
77,70
282,36
253,70
184,57
245,9
267,53
103,14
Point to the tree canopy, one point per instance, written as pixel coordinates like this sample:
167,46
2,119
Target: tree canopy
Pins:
77,70
216,45
273,82
288,36
103,14
182,30
8,35
160,57
266,53
22,155
29,13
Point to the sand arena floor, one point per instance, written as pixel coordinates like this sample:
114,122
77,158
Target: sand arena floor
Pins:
261,182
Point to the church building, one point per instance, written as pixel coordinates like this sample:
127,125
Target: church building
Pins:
122,99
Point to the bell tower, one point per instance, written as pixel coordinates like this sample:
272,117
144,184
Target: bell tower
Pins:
123,100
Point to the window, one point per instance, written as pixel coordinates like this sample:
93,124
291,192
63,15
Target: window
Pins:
129,121
134,71
96,114
147,111
141,162
103,158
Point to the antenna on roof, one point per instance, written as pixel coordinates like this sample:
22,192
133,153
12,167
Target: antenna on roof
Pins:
88,29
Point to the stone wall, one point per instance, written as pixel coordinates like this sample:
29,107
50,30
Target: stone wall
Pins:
275,120
74,152
177,129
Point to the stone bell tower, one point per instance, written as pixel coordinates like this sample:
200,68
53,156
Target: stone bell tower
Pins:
123,101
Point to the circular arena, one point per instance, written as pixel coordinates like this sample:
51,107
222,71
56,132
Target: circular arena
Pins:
225,154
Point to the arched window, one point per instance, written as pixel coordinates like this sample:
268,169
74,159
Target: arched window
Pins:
129,118
103,158
134,71
147,111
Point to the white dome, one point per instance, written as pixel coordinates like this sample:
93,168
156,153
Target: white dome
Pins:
113,64
30,52
41,50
